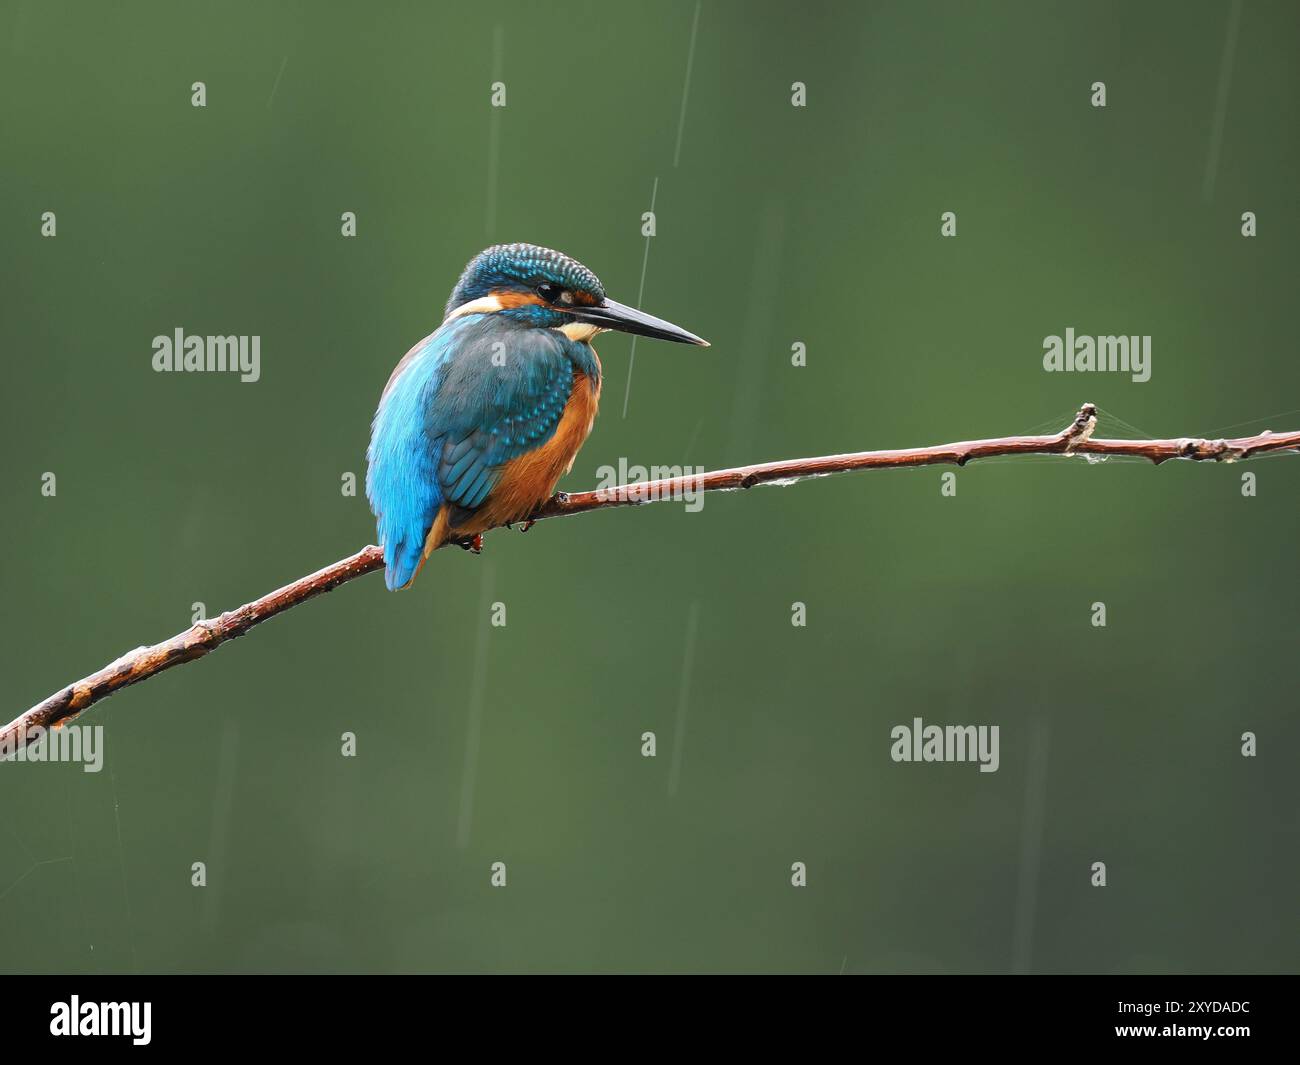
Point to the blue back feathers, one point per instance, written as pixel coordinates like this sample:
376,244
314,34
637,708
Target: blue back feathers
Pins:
451,416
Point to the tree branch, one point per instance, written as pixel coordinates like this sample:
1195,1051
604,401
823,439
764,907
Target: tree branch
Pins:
205,636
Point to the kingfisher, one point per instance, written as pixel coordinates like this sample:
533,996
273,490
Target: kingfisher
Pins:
481,419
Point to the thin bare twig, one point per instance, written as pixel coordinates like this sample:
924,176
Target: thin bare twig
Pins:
205,636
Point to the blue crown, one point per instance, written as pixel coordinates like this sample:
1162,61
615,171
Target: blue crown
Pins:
521,266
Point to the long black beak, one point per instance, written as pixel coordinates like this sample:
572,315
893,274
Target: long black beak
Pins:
612,315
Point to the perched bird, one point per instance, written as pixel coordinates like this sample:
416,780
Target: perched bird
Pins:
481,419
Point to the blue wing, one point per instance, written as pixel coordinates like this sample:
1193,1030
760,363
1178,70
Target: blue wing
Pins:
461,403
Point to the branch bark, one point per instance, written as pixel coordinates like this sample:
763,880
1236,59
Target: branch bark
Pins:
205,636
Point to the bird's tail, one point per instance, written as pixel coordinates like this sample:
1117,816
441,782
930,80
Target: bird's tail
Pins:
402,486
401,563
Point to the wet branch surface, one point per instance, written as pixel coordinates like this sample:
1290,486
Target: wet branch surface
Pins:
205,636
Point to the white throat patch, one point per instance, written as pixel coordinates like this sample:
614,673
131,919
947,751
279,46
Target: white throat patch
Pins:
580,331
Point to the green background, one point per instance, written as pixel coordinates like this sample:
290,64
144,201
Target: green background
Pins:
522,744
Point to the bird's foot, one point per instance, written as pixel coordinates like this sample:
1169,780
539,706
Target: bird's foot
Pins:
525,526
473,544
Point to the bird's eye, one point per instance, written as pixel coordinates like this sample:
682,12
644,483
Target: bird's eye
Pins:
549,292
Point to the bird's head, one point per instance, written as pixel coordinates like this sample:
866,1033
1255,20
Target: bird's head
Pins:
543,288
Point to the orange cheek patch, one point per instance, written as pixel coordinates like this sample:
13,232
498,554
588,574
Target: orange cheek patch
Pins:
517,299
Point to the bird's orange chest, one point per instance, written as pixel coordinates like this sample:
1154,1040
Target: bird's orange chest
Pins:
529,480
